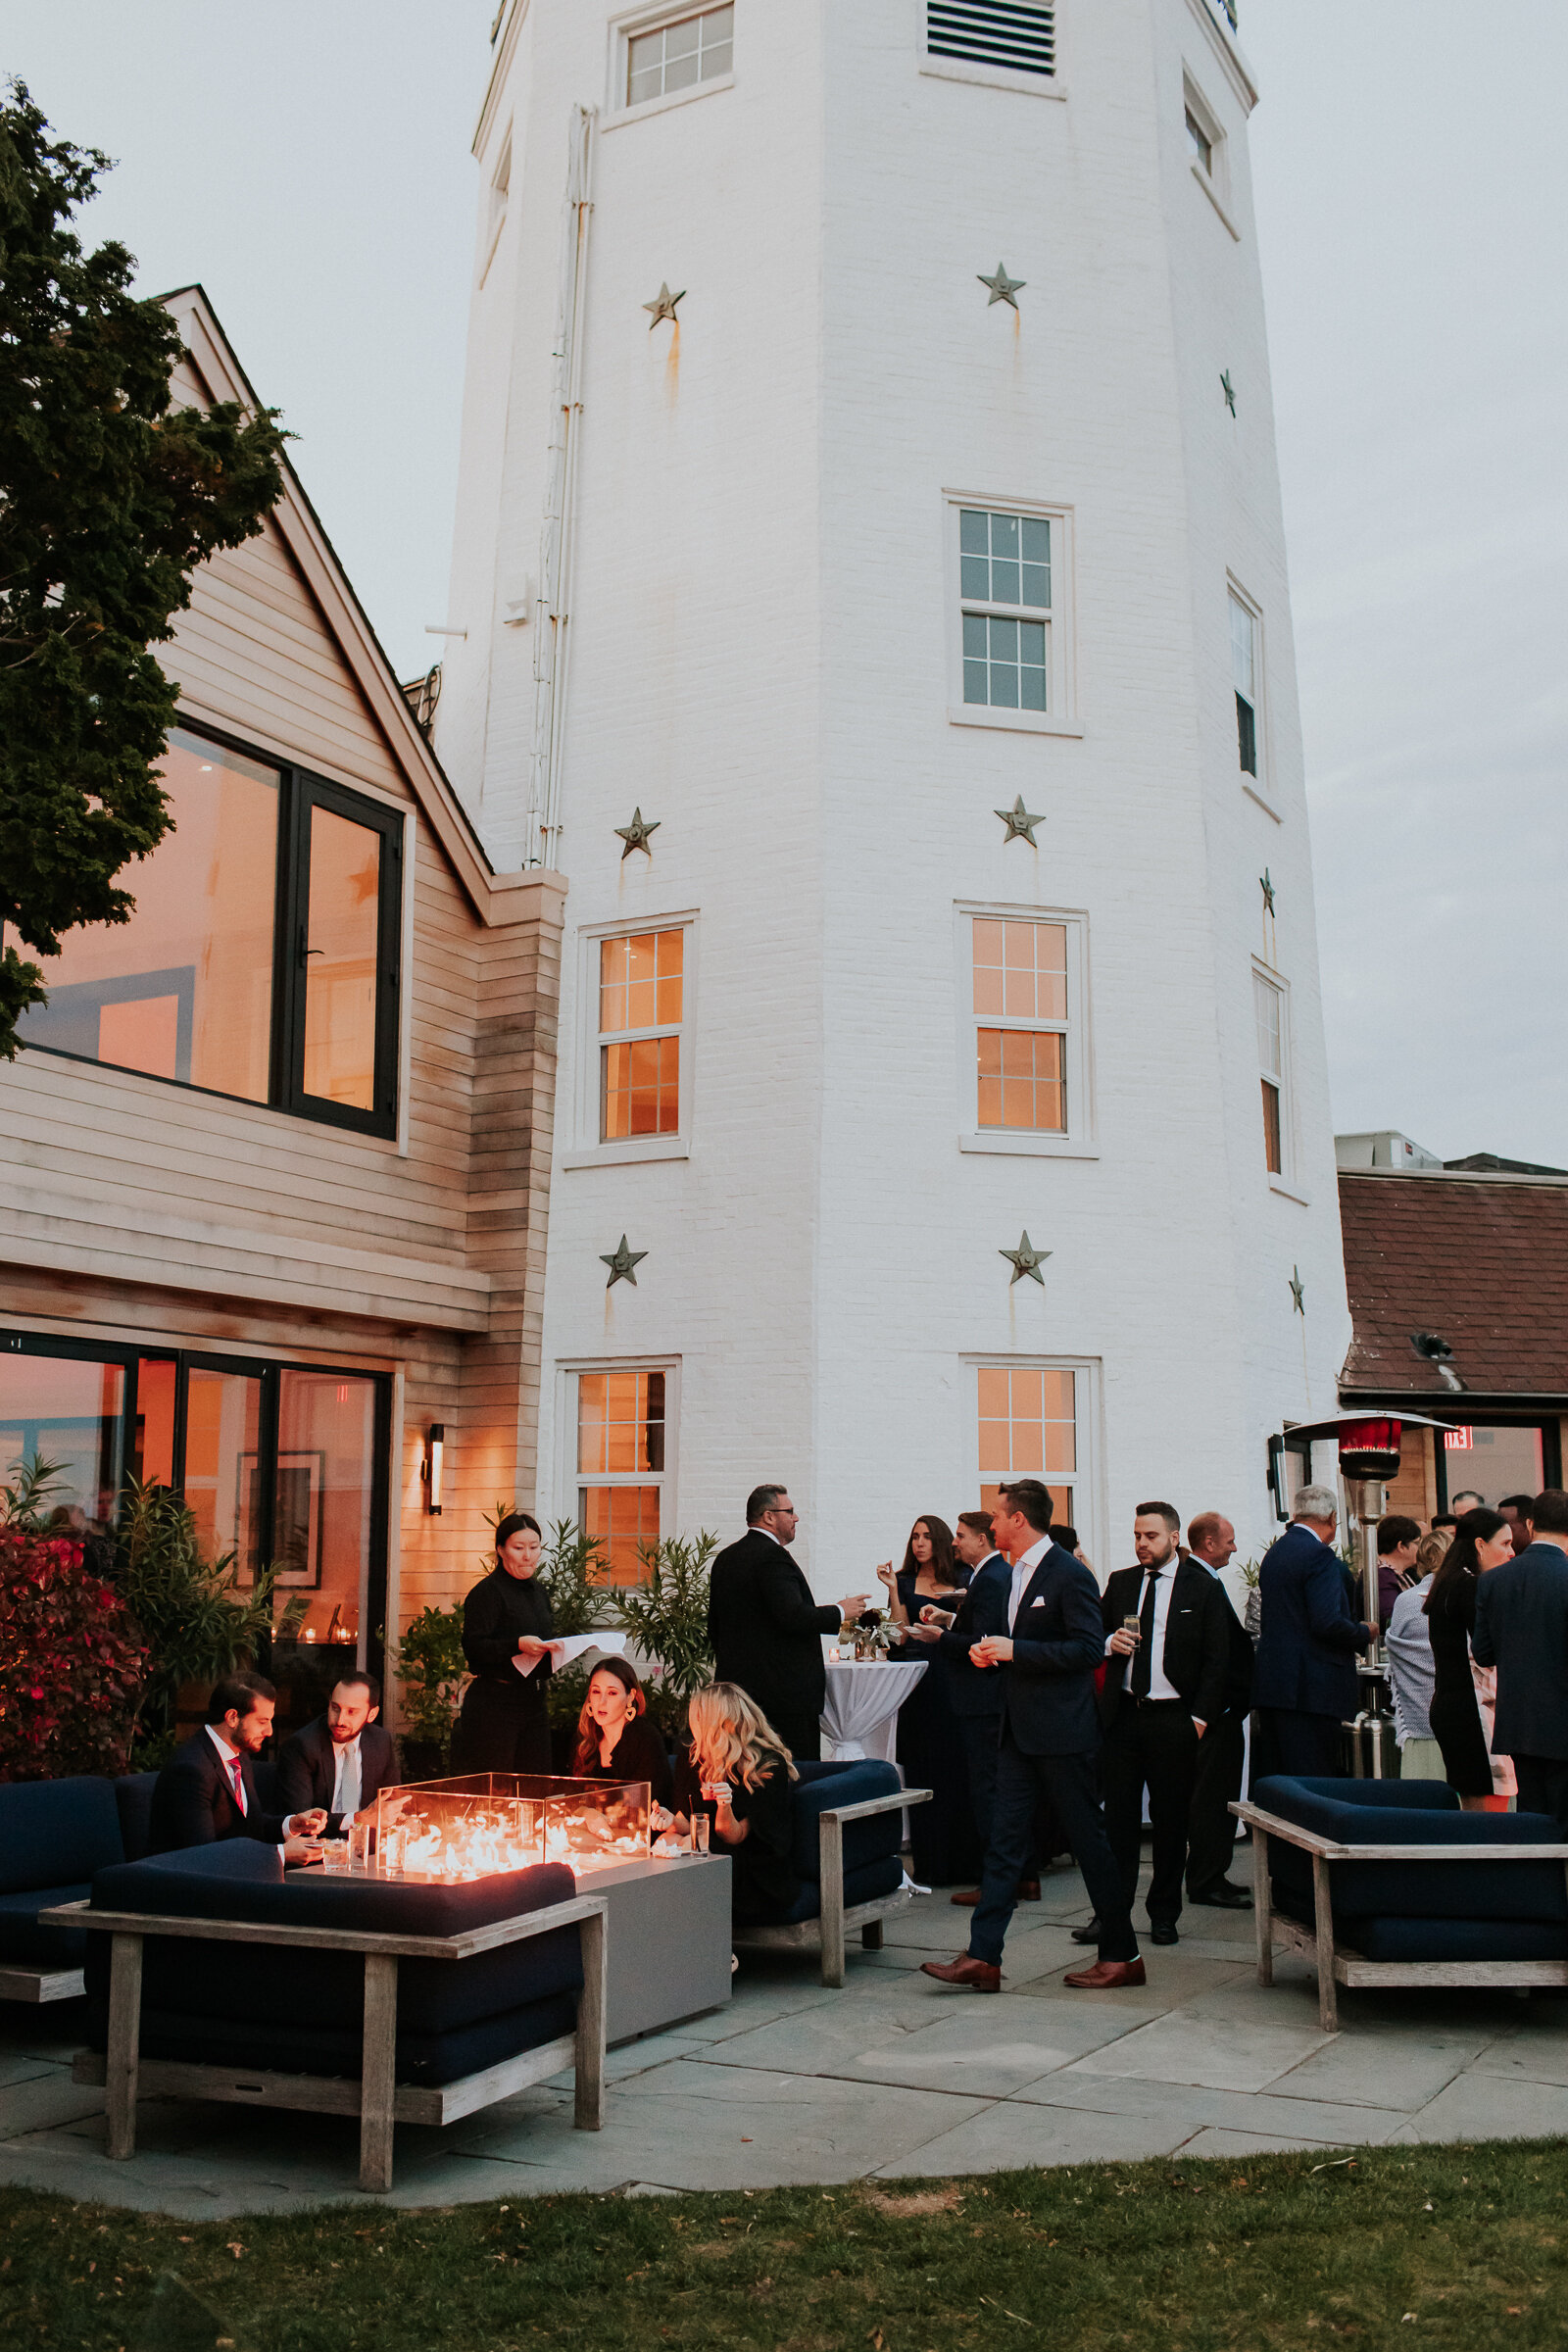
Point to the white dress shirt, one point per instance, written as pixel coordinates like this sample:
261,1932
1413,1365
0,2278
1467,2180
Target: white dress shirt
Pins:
229,1757
1023,1569
1160,1684
346,1777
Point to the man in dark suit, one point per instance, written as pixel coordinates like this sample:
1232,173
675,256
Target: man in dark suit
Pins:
343,1759
206,1790
1304,1684
1050,1734
1522,1628
766,1629
1163,1687
1222,1750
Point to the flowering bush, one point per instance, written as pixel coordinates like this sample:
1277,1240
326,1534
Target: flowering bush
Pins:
70,1663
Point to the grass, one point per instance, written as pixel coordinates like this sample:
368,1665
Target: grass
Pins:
1408,2247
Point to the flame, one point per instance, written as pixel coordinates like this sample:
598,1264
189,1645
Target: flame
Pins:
449,1846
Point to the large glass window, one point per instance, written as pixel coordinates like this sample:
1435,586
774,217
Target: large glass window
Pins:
678,55
1029,1429
261,957
621,1466
1020,1009
641,987
69,1412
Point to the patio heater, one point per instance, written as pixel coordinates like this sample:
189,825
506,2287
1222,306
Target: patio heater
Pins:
1369,1457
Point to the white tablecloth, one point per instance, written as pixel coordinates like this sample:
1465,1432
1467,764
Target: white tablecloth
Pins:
860,1713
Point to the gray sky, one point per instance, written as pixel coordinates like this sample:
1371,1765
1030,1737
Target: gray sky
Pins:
310,164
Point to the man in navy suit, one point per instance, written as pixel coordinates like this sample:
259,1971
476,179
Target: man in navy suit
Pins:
1305,1686
206,1790
342,1760
1522,1628
1050,1735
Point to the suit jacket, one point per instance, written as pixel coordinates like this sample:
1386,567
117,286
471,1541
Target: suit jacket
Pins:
1196,1656
1048,1693
766,1628
193,1803
307,1768
1309,1638
1239,1678
1522,1628
983,1609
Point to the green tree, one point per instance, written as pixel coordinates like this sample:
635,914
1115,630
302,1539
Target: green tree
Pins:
110,499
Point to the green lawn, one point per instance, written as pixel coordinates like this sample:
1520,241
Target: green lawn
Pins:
1403,2247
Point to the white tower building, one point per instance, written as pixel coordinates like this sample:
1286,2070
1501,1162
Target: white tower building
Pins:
868,435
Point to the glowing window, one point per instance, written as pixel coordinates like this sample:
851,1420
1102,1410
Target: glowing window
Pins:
1029,1429
1021,1009
621,1467
640,1003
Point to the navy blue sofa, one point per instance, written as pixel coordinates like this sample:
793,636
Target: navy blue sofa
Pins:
1391,1883
54,1837
849,1831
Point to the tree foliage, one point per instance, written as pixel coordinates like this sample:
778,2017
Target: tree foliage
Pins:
667,1616
70,1661
110,498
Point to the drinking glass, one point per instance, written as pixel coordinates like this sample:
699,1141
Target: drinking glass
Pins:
699,1831
1132,1625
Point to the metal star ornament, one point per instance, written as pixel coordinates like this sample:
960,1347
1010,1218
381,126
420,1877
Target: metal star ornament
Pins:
663,304
1002,287
637,834
1266,884
1025,1259
1229,390
1297,1291
623,1263
1020,823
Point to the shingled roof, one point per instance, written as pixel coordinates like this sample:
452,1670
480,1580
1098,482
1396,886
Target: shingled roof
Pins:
1483,1264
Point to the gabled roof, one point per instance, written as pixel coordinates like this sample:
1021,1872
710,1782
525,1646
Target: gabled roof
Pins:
1481,1262
214,359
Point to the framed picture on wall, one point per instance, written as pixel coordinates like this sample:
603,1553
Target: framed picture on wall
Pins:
299,1515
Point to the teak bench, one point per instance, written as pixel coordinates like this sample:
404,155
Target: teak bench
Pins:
1337,1964
833,1922
377,2099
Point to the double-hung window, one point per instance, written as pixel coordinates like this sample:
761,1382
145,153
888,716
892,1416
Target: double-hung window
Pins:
262,958
1023,1051
1033,1422
634,1098
1011,572
689,47
1245,669
1268,1005
623,1423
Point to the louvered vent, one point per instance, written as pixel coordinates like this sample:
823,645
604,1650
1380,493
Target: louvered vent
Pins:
993,32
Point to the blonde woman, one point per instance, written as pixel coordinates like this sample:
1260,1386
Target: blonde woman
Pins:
738,1772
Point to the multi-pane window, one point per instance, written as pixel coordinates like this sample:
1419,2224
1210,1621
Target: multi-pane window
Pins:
676,56
1021,1010
1200,145
621,1466
260,960
641,987
1268,1005
1020,35
1243,676
1029,1429
1004,587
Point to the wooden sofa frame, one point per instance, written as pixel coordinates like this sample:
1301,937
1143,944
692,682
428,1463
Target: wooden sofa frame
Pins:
42,1984
1336,1963
377,2099
833,1923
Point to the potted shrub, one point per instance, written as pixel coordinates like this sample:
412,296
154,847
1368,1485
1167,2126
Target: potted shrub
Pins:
429,1665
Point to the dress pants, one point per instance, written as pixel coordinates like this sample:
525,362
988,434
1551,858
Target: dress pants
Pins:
1307,1747
1216,1782
501,1730
1544,1787
1151,1744
801,1733
981,1752
1070,1782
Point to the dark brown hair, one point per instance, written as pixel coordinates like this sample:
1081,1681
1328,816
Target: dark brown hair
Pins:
1160,1510
1028,1495
239,1692
1459,1561
587,1729
943,1566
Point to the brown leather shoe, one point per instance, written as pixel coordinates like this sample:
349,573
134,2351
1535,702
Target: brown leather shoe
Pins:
968,1895
1107,1976
978,1975
1028,1891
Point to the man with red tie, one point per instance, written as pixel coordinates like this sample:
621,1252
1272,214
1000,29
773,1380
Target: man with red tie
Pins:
206,1790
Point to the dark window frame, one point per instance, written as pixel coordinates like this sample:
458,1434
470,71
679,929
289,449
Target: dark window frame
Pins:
300,790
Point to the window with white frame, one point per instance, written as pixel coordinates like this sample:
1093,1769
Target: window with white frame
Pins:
1009,569
686,49
1199,146
1023,1050
640,1003
1029,1417
621,1460
1245,669
1268,1005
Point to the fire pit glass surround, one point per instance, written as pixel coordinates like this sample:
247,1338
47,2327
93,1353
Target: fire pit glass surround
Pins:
473,1827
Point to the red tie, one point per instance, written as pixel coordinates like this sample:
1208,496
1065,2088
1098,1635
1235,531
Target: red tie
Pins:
239,1787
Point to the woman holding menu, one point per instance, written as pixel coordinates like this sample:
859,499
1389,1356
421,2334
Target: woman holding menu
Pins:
507,1625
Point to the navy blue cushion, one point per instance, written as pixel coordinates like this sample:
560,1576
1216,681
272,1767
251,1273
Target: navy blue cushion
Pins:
24,1944
1454,1891
821,1790
133,1795
306,2047
862,1886
54,1833
1460,1939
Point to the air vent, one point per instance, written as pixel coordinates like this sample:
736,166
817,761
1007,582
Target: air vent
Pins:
993,32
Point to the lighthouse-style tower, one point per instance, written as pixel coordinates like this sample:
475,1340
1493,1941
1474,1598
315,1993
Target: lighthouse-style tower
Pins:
873,587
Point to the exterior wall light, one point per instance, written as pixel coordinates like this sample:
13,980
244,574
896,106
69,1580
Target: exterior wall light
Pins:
435,1445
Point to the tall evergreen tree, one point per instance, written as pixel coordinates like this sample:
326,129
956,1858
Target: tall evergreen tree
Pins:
110,498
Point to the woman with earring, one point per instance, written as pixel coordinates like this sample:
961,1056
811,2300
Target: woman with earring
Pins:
504,1724
615,1742
944,1846
1460,1726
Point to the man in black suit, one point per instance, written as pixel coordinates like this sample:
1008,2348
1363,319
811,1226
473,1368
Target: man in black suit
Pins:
206,1790
766,1629
1222,1750
1522,1628
343,1759
1050,1735
1163,1687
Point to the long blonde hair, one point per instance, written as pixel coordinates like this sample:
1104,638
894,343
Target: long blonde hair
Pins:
731,1737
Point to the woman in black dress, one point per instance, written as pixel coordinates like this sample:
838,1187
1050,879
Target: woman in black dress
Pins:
1481,1540
737,1771
505,1726
615,1742
944,1844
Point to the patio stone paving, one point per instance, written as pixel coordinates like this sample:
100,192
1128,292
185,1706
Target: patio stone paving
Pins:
894,2075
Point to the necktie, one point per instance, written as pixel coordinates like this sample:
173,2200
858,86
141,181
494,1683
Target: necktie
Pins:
1144,1663
239,1786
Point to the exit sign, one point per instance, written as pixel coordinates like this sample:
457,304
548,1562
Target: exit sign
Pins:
1459,1441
